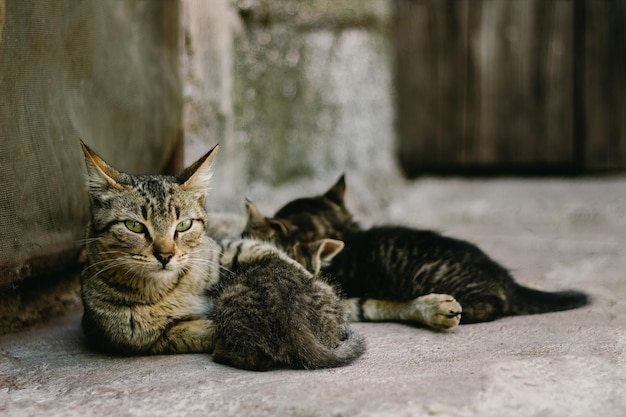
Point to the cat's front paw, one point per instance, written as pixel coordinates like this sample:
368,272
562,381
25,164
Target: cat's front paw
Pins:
439,311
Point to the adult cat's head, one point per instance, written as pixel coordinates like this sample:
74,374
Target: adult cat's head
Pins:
146,227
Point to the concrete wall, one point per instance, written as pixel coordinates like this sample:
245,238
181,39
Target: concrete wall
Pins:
294,91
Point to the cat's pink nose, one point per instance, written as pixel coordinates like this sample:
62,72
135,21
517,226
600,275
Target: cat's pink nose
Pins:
164,257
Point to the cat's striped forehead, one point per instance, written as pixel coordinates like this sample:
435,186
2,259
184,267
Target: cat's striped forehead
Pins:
156,197
163,194
159,191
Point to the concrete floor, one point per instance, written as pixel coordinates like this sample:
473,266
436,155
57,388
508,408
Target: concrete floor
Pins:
554,234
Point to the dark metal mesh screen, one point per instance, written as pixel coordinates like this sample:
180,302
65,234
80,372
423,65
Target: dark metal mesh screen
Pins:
103,71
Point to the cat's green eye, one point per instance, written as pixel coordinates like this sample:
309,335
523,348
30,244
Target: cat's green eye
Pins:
184,225
134,226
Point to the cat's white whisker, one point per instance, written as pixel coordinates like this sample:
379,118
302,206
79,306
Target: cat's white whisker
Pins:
108,267
207,264
88,240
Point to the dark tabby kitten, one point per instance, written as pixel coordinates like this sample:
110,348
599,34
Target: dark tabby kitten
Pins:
271,312
439,311
153,275
398,264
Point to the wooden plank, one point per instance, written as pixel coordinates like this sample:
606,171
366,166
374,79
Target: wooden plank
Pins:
603,103
484,84
522,52
431,79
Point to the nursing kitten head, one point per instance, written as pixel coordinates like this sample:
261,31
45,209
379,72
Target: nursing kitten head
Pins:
150,226
304,220
312,255
325,215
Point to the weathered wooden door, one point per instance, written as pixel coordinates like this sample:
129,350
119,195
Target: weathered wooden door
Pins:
511,86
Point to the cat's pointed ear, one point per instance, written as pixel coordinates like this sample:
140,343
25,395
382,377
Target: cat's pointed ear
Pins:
197,177
325,250
262,227
254,215
100,175
256,226
329,248
337,192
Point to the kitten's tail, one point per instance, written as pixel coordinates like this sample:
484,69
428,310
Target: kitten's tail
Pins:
317,355
530,301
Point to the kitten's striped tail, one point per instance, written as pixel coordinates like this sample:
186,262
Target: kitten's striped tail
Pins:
319,356
530,301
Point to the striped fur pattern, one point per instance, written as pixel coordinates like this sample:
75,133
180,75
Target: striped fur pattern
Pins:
271,312
156,283
148,260
388,269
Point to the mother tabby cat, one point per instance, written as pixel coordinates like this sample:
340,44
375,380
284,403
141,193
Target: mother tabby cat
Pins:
155,282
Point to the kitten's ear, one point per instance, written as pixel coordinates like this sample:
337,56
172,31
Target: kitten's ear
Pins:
325,250
256,227
197,177
100,175
329,248
254,215
337,192
258,222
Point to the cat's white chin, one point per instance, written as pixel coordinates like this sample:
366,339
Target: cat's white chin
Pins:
165,273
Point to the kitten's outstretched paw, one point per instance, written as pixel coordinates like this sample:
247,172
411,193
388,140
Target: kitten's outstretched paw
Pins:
439,311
